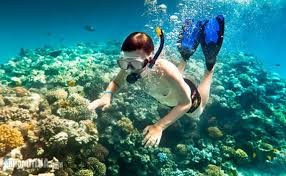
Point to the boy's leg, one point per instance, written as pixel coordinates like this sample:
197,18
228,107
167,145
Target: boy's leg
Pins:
204,86
182,66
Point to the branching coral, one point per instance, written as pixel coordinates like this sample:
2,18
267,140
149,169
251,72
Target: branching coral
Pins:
15,113
126,125
75,107
78,133
96,166
10,138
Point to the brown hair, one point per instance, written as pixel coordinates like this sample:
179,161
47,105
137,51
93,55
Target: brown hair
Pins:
137,41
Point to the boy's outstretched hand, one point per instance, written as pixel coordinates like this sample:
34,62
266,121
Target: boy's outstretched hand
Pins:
103,103
152,135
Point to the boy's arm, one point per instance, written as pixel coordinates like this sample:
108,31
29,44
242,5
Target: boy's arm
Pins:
173,75
115,84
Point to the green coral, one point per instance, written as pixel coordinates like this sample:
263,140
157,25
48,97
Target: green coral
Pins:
126,125
98,168
241,156
84,172
182,149
213,170
215,132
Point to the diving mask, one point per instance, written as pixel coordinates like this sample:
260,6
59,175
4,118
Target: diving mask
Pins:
135,63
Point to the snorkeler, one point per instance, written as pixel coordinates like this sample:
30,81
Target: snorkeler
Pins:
162,79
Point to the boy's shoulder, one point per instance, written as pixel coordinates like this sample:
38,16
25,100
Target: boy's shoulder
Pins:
165,66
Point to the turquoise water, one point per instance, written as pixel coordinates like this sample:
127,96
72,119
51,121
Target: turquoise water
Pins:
253,26
58,56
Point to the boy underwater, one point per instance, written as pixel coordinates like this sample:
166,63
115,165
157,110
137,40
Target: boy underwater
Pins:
164,81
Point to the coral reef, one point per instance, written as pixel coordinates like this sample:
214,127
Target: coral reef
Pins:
44,96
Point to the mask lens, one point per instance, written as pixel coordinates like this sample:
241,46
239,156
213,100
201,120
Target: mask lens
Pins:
137,64
122,64
130,62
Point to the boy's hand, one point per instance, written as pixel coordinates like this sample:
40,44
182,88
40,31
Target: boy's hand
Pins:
103,103
152,135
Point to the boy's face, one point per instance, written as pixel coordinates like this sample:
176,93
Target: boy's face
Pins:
133,61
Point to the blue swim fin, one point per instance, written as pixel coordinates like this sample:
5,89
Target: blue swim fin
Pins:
212,38
189,38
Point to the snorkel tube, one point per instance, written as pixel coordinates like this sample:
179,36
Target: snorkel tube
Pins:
133,77
160,34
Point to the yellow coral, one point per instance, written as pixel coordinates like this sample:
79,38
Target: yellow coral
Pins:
10,138
228,150
241,153
215,132
71,83
125,124
213,170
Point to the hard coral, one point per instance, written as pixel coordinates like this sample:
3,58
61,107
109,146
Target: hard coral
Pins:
241,156
15,113
213,170
182,149
126,125
100,152
84,172
97,167
75,108
215,132
55,95
10,138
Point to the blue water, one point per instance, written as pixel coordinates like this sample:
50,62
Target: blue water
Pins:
256,27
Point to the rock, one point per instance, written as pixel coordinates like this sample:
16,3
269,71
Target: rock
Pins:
21,91
16,81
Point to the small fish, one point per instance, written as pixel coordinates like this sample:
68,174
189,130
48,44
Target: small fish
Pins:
71,83
254,155
277,65
269,158
89,28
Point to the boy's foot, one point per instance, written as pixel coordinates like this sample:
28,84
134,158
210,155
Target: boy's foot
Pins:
212,38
